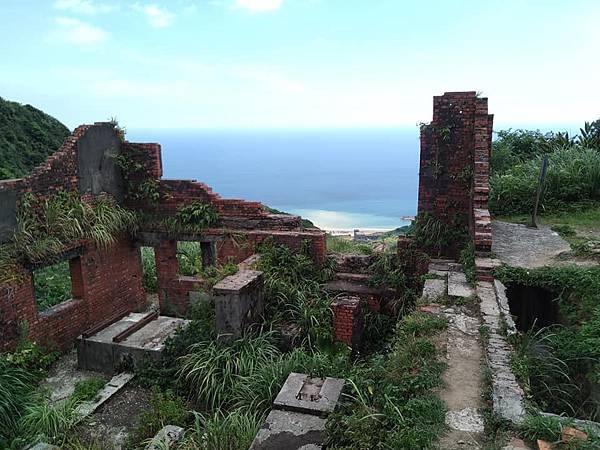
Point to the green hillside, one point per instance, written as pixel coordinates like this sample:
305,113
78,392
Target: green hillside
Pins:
27,137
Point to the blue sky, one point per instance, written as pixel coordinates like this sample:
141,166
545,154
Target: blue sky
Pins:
298,63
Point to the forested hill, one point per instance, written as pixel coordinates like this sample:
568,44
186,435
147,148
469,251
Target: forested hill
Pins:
27,137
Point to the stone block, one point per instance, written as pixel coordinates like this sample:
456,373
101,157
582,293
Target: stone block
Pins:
239,302
291,431
166,437
301,393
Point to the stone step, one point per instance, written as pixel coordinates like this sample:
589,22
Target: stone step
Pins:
458,285
359,277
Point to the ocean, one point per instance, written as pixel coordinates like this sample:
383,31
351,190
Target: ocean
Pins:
339,179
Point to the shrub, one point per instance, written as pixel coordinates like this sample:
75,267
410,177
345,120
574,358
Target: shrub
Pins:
149,279
573,176
293,291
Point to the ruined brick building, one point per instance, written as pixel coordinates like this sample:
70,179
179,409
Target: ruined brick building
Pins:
107,282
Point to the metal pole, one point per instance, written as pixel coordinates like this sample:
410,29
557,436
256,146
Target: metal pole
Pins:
539,192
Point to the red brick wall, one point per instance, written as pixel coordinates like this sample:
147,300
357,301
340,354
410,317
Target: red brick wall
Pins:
454,166
105,282
347,320
236,249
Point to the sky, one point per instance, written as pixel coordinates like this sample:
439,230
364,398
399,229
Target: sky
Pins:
187,64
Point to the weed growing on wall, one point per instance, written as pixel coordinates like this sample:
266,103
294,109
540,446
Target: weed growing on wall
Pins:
430,232
47,226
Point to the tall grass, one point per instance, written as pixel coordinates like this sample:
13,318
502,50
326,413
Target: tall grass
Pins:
49,226
17,387
211,369
233,430
573,176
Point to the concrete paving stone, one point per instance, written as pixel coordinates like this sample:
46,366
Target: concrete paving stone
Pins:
301,393
458,285
434,289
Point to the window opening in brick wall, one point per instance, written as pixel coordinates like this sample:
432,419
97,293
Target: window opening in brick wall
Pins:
193,257
53,284
149,280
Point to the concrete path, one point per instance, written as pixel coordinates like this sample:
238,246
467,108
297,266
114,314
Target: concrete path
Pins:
460,344
520,246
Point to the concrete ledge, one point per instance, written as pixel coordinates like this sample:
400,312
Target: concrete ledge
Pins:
99,353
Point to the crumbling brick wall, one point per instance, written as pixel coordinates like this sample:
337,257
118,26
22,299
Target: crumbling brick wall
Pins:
105,282
454,167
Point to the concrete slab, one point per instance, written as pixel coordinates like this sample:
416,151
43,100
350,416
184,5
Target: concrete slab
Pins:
291,431
98,352
458,285
111,388
434,289
301,393
521,246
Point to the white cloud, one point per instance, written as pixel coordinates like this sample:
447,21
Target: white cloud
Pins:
77,32
259,5
157,17
83,6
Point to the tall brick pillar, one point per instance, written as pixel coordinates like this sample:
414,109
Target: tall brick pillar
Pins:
454,166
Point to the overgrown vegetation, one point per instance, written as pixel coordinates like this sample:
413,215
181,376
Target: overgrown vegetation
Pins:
390,402
573,175
430,232
341,244
20,372
149,279
46,227
559,366
27,137
231,385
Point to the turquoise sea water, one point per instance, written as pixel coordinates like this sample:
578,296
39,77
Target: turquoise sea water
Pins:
340,179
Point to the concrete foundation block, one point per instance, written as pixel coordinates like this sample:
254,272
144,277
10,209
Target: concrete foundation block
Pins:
301,393
291,431
239,302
